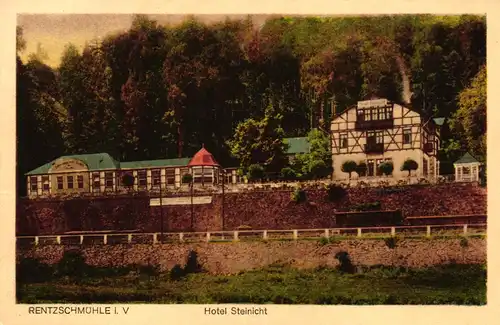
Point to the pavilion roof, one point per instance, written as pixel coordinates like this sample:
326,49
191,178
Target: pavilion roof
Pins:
203,158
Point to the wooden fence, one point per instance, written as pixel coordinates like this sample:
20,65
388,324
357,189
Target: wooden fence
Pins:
110,238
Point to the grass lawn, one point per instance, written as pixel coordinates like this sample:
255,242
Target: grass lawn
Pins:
451,284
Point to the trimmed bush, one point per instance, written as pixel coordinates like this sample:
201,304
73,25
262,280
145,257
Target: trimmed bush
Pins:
361,168
288,174
386,168
128,180
187,178
349,166
409,165
255,172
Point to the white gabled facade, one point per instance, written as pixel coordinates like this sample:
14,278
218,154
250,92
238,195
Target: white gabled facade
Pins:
374,131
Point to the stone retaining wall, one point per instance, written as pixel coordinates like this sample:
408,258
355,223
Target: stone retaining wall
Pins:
230,258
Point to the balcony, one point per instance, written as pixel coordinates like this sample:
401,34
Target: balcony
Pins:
374,148
429,148
374,124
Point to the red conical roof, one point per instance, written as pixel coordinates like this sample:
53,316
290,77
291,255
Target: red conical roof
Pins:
203,158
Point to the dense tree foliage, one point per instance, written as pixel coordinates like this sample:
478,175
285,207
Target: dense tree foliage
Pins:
158,91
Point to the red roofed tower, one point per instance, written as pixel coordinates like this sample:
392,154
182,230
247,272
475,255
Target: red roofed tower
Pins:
203,158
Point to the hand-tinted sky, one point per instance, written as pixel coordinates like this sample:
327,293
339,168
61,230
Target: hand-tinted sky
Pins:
54,31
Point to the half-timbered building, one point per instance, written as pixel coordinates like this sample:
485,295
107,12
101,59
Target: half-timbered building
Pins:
376,131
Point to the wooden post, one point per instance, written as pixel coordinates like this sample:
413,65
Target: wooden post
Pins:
428,231
208,236
129,238
105,239
81,239
359,232
295,234
264,235
465,230
393,231
36,240
155,238
181,237
58,240
235,237
327,233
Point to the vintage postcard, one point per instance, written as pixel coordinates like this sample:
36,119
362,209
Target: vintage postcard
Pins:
224,165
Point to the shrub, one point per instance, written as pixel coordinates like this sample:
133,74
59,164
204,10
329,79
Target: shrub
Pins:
372,206
335,192
187,178
345,264
409,165
361,168
244,227
324,241
288,174
391,242
318,169
176,273
386,168
128,179
72,264
192,265
464,242
30,270
299,195
349,166
255,172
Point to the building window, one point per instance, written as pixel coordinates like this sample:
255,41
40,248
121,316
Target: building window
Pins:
406,135
156,177
375,137
79,181
343,140
370,164
45,183
33,183
108,180
170,176
69,179
142,177
96,182
60,184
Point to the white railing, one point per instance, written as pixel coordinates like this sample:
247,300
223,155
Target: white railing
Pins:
242,235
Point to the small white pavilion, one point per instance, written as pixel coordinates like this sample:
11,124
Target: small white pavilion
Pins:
467,169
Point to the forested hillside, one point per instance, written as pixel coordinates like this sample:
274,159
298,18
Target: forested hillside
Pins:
161,91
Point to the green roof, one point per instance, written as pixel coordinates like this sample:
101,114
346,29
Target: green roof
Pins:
439,120
94,161
155,163
297,145
466,159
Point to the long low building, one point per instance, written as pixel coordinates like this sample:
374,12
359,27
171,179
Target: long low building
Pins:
101,173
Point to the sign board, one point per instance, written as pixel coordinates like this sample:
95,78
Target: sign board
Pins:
372,103
185,200
68,164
